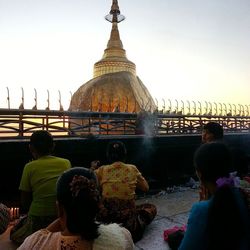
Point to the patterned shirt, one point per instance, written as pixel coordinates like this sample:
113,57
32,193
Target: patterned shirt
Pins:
119,180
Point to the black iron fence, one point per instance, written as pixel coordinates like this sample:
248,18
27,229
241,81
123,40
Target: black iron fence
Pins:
21,123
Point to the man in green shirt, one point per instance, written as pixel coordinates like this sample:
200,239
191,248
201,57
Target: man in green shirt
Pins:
38,186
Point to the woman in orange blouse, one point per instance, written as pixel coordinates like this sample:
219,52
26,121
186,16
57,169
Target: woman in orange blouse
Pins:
118,182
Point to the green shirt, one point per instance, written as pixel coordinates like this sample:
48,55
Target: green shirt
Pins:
39,177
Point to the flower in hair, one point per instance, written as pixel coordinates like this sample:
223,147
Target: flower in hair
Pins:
79,183
233,180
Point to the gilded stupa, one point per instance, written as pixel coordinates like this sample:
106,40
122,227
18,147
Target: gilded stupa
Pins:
115,86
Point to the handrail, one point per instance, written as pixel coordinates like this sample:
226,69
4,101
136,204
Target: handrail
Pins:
21,123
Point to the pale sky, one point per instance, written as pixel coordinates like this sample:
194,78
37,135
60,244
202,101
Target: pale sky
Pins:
183,49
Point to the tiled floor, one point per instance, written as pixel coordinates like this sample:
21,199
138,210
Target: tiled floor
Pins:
172,210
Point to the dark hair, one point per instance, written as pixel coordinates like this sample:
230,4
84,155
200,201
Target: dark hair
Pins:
116,151
77,192
42,141
228,218
240,162
214,128
213,160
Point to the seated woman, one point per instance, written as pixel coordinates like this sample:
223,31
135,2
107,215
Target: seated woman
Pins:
222,221
118,182
76,227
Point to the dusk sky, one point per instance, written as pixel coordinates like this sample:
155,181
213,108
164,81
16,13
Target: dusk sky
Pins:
183,49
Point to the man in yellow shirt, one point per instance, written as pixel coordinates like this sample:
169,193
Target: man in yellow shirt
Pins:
38,186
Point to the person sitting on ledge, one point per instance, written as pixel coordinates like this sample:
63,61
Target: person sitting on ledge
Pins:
212,131
38,186
222,220
118,182
76,228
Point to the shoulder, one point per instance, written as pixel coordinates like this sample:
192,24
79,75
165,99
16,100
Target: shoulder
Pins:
99,170
199,209
29,168
32,164
40,240
61,159
103,166
200,206
121,237
42,233
131,167
58,162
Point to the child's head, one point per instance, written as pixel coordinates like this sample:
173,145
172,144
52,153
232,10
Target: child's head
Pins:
41,142
212,131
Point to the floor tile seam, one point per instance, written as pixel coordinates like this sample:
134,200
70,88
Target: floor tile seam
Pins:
169,217
195,191
183,212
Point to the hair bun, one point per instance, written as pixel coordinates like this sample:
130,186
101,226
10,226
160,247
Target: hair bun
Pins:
79,183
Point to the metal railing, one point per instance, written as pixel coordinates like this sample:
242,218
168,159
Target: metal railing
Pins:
163,106
19,123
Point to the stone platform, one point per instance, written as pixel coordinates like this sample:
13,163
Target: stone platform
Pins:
172,207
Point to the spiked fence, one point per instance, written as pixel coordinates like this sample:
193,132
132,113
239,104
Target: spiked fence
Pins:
173,117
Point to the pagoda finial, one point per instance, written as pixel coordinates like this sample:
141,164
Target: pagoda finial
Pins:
114,58
114,15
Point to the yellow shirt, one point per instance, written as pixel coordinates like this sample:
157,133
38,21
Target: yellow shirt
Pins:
118,180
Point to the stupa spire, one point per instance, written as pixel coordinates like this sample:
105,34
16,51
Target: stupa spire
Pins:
115,86
114,58
114,15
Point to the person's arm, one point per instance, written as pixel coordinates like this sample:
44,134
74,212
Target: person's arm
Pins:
195,235
26,199
142,184
26,189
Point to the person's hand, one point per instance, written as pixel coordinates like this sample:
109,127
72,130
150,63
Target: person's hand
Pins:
94,164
